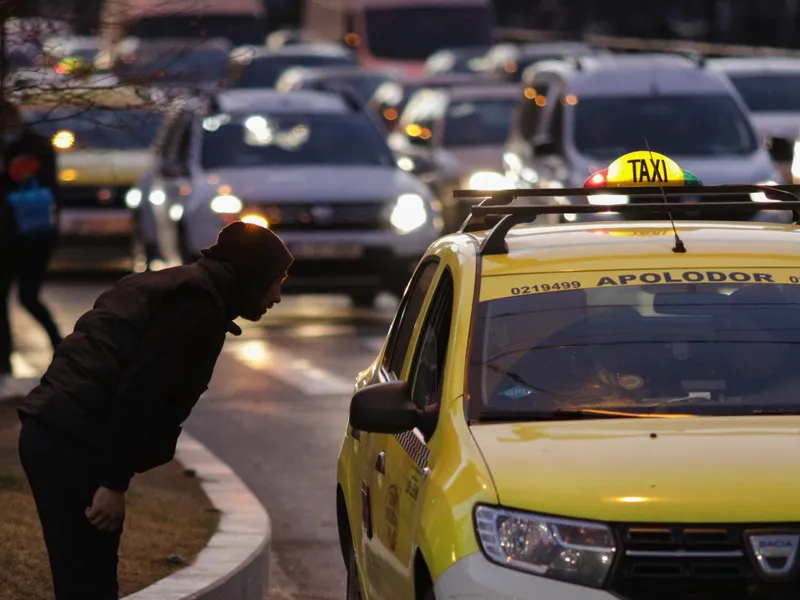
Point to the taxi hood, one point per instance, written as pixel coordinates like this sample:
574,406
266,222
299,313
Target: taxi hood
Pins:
709,469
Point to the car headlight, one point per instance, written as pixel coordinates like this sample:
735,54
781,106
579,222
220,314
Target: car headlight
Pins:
575,552
487,180
408,213
759,197
226,205
133,198
608,199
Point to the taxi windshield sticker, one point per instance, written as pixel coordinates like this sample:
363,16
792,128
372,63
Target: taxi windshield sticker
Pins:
642,169
508,286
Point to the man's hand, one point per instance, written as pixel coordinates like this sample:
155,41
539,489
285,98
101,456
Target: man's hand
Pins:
108,509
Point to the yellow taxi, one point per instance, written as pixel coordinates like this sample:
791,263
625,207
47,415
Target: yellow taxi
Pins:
586,411
102,138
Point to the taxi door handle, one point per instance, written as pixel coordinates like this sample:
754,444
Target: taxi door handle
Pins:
380,463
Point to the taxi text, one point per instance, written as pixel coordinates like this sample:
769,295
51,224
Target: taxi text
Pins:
656,172
685,277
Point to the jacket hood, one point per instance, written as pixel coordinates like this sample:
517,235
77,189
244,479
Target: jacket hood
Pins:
221,282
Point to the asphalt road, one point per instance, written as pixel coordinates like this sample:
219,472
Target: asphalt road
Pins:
275,411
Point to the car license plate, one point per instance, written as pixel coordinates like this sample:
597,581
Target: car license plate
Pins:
326,250
91,223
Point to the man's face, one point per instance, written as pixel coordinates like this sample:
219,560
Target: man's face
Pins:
256,306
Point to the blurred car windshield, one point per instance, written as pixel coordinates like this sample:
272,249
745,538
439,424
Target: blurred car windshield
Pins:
416,33
239,29
98,128
293,140
168,65
673,125
264,71
479,122
690,348
460,61
363,85
769,93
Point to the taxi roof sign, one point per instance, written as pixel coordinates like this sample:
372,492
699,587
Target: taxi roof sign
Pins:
642,168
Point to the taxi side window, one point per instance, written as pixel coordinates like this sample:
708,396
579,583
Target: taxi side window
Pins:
531,110
403,325
429,360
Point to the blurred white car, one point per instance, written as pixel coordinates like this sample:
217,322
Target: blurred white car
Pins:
314,167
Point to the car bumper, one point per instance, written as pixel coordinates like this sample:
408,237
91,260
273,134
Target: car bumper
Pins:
94,238
475,578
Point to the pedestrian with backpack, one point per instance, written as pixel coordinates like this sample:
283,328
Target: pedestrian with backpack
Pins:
28,224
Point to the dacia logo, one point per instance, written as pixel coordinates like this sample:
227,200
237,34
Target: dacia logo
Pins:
775,553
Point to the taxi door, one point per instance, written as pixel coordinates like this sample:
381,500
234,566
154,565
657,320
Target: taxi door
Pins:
401,460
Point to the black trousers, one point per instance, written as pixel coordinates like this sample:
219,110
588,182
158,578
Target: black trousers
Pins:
62,475
30,259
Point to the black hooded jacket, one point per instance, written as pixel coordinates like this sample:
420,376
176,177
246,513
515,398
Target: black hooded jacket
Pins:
129,375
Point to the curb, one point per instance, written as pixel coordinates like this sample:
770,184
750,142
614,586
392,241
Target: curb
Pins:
235,563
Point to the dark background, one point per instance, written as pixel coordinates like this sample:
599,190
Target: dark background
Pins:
758,22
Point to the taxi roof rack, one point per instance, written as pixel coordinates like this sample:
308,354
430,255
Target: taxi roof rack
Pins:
495,212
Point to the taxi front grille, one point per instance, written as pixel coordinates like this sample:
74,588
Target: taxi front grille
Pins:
694,215
323,216
84,196
697,562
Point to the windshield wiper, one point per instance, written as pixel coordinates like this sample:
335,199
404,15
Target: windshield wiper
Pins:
559,414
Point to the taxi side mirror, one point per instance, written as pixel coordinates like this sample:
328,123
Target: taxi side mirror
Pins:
384,408
780,149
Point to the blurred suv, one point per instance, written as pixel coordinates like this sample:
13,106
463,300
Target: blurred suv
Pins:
453,139
312,166
577,116
771,89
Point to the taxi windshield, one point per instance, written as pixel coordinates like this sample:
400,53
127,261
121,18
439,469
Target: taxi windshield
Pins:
478,122
99,128
728,345
769,92
689,126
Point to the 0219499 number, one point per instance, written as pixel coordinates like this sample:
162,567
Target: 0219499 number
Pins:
546,287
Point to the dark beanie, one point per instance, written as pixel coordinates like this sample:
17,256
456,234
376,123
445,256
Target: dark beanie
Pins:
258,256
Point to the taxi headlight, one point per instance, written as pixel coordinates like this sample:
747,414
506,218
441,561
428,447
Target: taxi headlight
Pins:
575,552
226,205
487,180
759,197
408,213
133,198
608,199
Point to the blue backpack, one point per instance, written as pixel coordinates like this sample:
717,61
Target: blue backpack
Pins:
33,208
